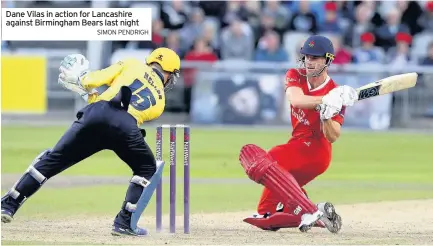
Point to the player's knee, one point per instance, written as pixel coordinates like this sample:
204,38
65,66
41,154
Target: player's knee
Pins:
152,169
36,174
48,164
35,169
32,176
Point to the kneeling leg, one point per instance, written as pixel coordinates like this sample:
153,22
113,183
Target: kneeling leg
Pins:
263,169
75,145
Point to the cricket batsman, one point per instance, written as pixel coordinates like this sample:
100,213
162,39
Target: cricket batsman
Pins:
317,114
111,120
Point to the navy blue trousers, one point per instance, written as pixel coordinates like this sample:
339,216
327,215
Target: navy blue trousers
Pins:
101,126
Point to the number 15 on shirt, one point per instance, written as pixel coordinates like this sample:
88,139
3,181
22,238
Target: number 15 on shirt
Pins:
142,97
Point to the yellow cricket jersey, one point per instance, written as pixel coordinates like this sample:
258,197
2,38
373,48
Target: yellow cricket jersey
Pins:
148,98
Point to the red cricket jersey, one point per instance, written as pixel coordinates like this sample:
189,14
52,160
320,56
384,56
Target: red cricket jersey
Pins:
306,122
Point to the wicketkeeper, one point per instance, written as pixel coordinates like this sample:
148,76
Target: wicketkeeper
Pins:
111,121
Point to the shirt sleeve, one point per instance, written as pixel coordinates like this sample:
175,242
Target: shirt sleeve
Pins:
292,79
102,77
340,116
92,98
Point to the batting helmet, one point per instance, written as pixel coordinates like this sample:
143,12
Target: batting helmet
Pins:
320,46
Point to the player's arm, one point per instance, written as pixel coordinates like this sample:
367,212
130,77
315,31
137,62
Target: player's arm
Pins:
298,99
332,120
102,77
75,76
331,130
295,95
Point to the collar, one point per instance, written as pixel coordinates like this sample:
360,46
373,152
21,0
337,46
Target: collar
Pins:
320,86
159,74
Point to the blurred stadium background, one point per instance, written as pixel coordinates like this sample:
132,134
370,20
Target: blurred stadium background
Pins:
235,54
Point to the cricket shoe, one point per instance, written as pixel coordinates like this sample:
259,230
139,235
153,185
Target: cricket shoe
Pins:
330,218
309,220
7,216
119,231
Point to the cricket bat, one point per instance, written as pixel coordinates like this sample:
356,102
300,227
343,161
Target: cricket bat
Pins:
387,85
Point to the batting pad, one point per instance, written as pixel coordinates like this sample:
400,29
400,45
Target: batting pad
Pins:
146,195
282,183
263,169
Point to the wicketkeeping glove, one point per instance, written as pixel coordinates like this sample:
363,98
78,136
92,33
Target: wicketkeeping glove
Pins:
72,69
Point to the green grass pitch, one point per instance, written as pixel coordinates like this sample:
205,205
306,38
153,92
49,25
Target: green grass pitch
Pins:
367,166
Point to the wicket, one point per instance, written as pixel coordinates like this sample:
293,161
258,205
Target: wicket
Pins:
186,184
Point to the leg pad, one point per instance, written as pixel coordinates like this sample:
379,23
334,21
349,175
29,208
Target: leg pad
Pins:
32,172
146,195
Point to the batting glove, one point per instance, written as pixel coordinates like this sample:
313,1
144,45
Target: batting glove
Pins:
330,106
333,100
347,93
327,112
